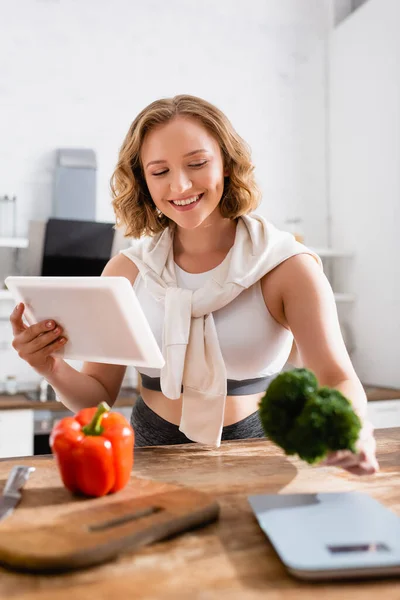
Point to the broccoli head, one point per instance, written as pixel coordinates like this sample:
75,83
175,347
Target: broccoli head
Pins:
305,420
283,402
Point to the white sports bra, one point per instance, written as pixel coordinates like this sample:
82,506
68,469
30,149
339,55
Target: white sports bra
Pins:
252,342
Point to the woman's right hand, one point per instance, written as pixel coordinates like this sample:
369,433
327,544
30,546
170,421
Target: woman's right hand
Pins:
36,344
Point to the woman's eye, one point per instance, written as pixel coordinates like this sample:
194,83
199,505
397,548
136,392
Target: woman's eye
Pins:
196,165
199,164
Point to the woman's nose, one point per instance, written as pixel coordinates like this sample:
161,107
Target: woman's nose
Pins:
179,183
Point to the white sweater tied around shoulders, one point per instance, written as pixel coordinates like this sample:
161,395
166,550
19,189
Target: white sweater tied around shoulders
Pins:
190,345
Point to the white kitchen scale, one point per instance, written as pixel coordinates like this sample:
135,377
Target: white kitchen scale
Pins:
331,535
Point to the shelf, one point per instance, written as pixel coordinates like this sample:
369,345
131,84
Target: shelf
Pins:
332,253
344,297
13,242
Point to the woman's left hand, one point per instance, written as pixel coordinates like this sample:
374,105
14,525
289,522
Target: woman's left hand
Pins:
364,461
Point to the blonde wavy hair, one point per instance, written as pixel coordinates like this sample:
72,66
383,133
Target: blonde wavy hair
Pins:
133,206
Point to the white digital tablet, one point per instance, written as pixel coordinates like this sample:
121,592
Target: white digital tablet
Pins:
101,317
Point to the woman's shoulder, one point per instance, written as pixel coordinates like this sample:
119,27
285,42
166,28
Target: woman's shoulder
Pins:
289,277
294,268
121,266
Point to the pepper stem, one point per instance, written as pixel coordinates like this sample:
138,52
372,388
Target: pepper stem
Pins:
94,427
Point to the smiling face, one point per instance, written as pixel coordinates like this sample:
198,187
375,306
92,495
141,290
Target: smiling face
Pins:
184,171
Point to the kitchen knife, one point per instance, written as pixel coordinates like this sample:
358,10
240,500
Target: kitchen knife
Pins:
12,491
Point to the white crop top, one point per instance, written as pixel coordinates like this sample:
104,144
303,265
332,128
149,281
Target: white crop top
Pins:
252,342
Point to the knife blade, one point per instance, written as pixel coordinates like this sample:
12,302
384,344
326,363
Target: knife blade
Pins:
17,478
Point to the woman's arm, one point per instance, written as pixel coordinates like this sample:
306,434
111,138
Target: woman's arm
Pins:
310,312
308,309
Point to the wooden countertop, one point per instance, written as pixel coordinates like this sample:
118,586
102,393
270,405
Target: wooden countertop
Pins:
20,401
127,398
230,559
381,393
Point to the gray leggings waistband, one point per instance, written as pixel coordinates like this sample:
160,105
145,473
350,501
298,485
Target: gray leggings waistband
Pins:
234,387
152,430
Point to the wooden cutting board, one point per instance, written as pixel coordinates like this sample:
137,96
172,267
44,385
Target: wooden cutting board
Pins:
99,529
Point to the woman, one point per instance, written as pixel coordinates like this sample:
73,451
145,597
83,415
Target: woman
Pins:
224,291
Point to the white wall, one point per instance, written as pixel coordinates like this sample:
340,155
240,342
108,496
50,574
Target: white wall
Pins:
75,73
343,8
365,180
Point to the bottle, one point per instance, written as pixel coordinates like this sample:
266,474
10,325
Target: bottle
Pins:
43,390
10,386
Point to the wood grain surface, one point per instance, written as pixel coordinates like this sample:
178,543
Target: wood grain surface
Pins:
229,559
100,529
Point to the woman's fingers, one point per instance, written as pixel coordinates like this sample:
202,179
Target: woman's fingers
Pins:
52,347
367,467
42,343
363,463
36,344
32,333
17,324
335,457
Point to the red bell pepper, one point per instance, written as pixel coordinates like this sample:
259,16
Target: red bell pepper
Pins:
94,451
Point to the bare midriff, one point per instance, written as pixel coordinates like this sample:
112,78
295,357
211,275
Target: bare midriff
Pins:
236,408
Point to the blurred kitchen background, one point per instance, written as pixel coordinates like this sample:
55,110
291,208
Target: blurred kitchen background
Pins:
312,85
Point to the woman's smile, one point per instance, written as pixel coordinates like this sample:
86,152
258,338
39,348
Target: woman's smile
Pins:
187,203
